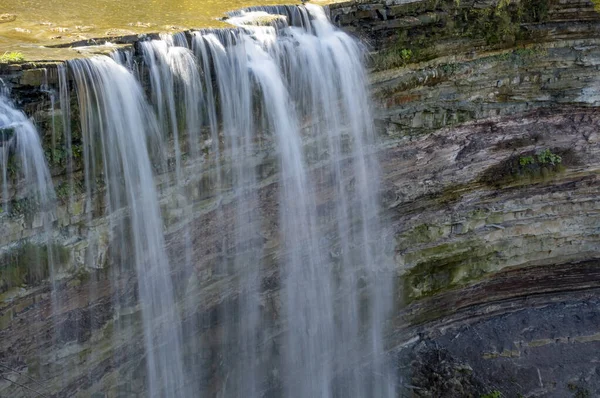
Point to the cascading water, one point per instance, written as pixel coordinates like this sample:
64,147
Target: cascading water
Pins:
18,133
26,179
279,117
117,121
27,183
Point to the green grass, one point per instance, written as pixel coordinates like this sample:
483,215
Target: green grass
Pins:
11,57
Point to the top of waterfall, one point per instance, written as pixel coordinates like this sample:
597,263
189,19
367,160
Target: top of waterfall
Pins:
44,31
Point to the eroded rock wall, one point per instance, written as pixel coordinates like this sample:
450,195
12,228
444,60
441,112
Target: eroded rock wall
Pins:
490,150
497,247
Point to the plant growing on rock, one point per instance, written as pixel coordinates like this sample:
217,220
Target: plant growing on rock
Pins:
527,168
406,55
11,57
547,157
526,160
393,58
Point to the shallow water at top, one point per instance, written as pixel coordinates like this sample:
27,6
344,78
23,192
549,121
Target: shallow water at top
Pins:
58,21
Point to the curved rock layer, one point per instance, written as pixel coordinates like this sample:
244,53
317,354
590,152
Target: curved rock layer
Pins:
489,120
497,239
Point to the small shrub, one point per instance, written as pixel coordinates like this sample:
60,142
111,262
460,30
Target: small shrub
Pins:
11,57
528,167
526,160
406,55
547,157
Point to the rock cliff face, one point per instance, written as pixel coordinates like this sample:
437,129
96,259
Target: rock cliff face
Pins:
497,245
489,124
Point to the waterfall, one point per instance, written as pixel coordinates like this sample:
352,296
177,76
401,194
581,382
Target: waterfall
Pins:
18,133
117,121
258,139
26,179
27,194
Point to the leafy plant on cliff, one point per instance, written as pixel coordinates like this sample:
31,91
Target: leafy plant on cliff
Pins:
547,157
526,160
11,57
406,55
496,25
528,167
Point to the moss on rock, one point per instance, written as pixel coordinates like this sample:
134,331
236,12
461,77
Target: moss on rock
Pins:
29,264
528,168
443,267
500,25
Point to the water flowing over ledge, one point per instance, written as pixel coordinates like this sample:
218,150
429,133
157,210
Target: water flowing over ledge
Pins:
292,83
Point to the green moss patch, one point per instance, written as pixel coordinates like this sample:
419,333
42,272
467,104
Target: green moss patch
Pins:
423,233
29,264
528,167
443,267
439,22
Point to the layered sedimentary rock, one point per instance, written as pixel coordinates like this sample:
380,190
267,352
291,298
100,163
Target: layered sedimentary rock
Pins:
489,132
497,245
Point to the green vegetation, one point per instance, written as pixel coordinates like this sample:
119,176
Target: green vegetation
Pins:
406,55
529,167
596,5
28,264
547,157
498,26
65,189
55,156
23,207
11,57
442,267
82,275
394,58
12,166
493,394
501,25
6,134
526,160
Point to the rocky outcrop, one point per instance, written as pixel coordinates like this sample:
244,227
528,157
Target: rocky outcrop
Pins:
485,242
490,151
497,244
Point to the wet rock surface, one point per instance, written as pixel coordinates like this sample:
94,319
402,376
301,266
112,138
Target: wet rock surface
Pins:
496,246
